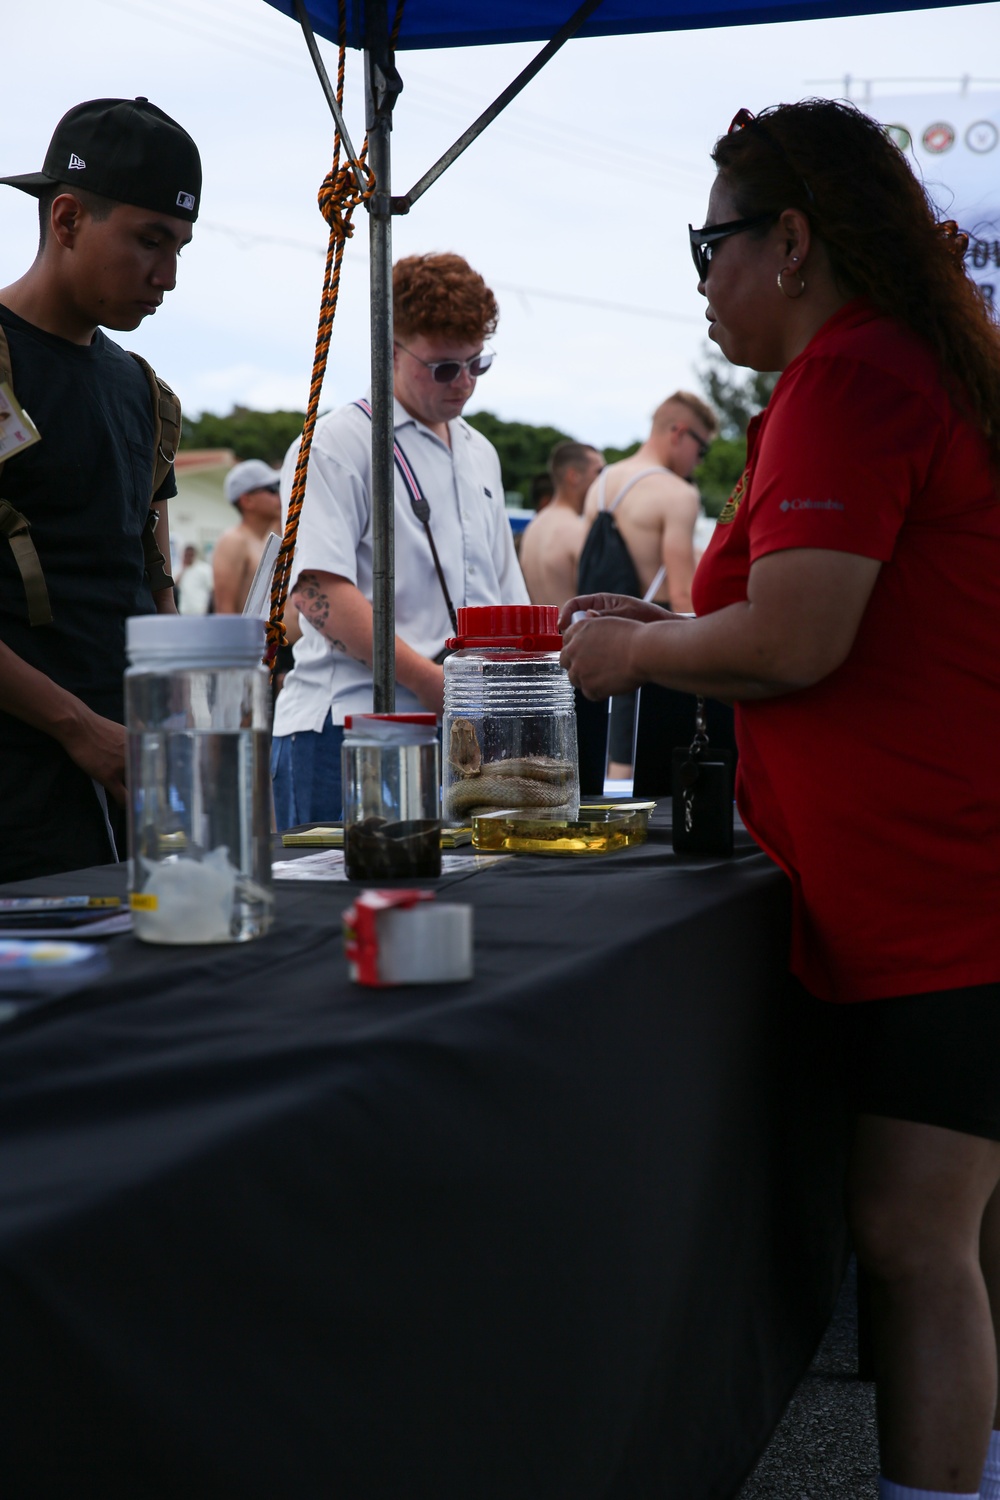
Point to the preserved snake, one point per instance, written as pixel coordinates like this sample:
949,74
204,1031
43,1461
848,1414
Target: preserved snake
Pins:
524,781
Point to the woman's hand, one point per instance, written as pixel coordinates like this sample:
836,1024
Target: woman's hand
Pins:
597,654
622,606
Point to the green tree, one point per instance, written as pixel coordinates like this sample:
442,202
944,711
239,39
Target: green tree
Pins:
736,397
615,455
524,450
250,434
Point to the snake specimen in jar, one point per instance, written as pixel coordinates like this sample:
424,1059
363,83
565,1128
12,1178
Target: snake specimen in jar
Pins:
524,781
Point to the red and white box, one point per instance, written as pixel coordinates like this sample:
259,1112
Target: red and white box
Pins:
407,937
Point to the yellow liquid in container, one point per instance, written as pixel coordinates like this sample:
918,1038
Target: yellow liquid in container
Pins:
601,828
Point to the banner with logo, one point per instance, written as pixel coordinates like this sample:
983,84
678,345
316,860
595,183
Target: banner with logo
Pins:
953,141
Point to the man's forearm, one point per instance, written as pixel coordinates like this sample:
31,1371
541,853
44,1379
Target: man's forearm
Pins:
96,745
340,612
679,563
35,699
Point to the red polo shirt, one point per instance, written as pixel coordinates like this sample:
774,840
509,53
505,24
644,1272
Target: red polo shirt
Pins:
878,789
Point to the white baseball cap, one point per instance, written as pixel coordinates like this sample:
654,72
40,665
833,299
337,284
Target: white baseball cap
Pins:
252,474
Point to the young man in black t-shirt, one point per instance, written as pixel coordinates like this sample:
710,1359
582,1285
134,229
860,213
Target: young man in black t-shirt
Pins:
118,194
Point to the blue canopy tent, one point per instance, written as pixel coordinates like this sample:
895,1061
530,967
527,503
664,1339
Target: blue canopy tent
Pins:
464,23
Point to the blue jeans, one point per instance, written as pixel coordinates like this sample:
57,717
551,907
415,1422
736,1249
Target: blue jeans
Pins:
305,770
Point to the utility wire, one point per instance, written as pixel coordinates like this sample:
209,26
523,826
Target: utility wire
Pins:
599,302
248,239
543,133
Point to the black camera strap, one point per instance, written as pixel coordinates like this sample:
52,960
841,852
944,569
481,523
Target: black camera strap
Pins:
420,506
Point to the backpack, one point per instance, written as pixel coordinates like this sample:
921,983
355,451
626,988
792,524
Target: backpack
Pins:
606,565
17,528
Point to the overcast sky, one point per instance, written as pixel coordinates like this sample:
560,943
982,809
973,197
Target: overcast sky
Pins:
574,205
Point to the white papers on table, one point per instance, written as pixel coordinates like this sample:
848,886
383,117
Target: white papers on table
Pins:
328,864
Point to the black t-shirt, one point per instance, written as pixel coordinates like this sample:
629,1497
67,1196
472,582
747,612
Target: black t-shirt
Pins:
85,489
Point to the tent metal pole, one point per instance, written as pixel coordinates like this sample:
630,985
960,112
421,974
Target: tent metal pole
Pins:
572,26
329,91
381,87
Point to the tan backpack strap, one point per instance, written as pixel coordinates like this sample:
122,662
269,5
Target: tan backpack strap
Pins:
17,530
166,438
166,421
156,564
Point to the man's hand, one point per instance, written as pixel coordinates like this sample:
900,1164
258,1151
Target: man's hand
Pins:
98,747
623,606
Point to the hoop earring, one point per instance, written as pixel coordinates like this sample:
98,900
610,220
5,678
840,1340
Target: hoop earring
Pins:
791,297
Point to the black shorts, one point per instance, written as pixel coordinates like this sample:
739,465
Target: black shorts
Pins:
931,1058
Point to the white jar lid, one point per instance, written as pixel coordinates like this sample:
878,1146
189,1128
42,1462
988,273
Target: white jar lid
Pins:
167,641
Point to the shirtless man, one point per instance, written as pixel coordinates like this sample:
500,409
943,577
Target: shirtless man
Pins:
253,487
656,518
551,544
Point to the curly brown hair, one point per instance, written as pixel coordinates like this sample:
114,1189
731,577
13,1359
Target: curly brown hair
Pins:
441,296
880,229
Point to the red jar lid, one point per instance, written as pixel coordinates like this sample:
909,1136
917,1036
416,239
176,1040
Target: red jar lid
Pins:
526,627
391,718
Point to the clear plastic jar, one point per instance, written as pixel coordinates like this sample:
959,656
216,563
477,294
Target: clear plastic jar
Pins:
198,714
509,717
391,771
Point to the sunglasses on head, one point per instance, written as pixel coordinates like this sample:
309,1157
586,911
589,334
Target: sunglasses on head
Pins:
703,240
444,371
743,118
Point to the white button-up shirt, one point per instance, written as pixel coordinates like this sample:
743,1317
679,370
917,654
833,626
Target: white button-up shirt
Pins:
463,487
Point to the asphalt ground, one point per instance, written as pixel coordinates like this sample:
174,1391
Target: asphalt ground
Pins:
825,1447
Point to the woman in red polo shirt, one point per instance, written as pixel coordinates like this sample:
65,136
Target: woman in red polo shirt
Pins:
849,604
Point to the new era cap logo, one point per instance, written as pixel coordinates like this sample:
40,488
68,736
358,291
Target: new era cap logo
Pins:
76,163
185,200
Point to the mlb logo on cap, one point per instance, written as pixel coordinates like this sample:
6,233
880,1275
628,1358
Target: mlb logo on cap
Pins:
185,200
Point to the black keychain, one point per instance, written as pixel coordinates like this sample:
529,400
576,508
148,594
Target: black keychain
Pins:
702,781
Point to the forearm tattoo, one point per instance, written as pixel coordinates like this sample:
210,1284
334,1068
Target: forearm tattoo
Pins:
314,602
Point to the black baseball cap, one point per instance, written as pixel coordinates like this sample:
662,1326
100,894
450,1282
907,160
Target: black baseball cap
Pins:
126,150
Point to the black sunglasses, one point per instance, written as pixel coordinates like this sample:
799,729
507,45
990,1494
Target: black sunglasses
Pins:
705,239
703,446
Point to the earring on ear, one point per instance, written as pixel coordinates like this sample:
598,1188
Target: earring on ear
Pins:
792,296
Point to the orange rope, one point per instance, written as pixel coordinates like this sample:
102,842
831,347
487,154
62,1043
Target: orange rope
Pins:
338,198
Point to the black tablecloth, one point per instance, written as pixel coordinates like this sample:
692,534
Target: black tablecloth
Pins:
569,1230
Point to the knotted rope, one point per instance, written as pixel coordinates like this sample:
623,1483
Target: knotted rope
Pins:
338,197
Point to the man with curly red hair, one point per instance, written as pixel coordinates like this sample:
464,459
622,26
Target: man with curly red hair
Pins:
443,313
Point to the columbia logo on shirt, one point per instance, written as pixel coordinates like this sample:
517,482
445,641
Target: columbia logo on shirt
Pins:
810,505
